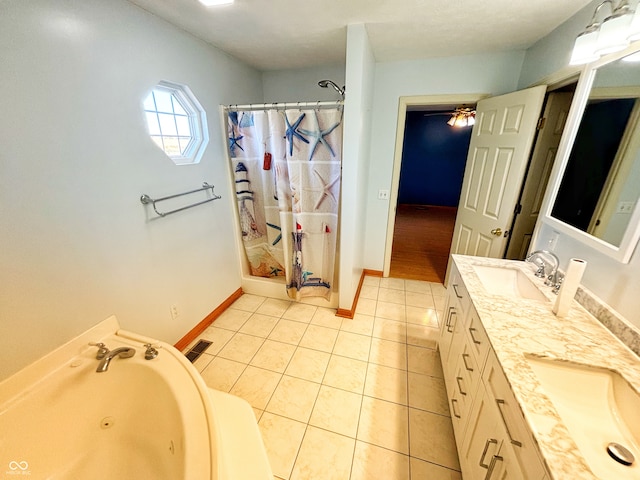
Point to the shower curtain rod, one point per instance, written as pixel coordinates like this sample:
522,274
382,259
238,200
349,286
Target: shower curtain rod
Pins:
266,106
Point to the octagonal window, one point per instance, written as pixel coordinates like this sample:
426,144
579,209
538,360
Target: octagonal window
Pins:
176,122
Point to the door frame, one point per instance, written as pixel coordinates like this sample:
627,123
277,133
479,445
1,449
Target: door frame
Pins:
403,104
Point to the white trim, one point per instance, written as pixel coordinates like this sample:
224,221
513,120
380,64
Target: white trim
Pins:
404,102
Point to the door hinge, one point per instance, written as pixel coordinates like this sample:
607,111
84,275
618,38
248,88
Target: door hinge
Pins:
541,122
518,209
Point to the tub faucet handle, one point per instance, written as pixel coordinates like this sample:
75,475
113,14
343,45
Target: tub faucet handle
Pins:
152,351
102,350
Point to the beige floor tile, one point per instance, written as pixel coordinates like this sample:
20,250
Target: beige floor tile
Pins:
395,283
390,330
259,325
274,356
431,438
384,424
352,345
422,336
417,286
202,361
369,291
300,312
390,295
388,353
273,307
424,300
428,393
231,319
294,398
222,374
257,413
326,317
422,316
319,338
362,324
256,385
337,410
371,462
308,364
323,455
439,302
241,348
346,373
288,331
248,302
386,383
421,470
424,360
366,306
218,338
391,311
438,289
370,280
282,438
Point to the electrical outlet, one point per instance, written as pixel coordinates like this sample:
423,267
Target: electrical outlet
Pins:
383,194
174,311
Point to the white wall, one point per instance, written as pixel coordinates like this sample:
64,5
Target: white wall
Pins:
356,135
77,244
615,283
301,85
483,74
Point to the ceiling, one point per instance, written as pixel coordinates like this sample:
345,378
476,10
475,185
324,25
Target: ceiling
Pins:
289,34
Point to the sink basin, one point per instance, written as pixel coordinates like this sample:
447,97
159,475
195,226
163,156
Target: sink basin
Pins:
598,407
508,281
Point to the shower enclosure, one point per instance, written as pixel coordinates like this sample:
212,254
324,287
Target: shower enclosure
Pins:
286,166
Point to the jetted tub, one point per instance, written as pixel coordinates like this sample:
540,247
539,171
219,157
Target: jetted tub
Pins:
141,419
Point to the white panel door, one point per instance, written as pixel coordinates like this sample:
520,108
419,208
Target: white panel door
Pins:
497,160
555,115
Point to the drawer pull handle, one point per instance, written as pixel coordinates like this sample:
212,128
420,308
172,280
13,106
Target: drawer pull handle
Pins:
452,323
455,289
500,402
471,330
454,402
449,315
464,360
459,379
484,452
492,466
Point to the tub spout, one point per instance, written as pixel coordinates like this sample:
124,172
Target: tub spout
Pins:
122,352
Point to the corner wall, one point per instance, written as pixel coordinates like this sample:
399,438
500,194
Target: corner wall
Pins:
77,244
355,160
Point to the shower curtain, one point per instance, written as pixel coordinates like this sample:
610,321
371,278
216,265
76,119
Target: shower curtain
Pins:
287,168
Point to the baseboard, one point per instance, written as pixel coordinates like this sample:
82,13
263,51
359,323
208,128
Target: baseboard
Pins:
343,312
208,320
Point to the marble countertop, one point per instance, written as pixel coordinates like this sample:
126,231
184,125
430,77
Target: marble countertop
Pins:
516,327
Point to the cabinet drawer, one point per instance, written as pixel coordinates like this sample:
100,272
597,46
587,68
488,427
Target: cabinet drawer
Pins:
458,290
477,338
519,443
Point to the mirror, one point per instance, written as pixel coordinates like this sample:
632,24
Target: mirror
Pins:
597,195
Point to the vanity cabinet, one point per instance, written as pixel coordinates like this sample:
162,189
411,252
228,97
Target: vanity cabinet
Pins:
492,438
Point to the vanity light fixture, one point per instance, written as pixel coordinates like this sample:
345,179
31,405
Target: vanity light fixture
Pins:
215,3
462,117
615,33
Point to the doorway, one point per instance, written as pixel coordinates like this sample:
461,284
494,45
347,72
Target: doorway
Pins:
433,160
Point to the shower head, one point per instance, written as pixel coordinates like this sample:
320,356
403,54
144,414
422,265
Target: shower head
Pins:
326,83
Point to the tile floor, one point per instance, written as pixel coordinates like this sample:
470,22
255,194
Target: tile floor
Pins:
336,398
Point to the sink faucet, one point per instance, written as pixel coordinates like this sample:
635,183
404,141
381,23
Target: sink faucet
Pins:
122,352
553,278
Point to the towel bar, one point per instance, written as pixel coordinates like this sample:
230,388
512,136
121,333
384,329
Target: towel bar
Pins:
146,199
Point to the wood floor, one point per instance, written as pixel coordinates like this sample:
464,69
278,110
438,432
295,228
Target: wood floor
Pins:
421,242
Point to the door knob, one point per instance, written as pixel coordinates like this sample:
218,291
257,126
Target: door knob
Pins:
497,232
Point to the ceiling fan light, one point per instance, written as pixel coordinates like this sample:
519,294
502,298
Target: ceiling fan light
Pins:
452,120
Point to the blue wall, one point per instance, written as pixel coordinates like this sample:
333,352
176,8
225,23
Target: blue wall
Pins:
433,160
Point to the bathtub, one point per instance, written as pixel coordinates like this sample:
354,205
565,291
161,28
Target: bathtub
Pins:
144,419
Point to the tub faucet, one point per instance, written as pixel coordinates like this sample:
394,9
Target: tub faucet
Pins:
122,352
551,279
